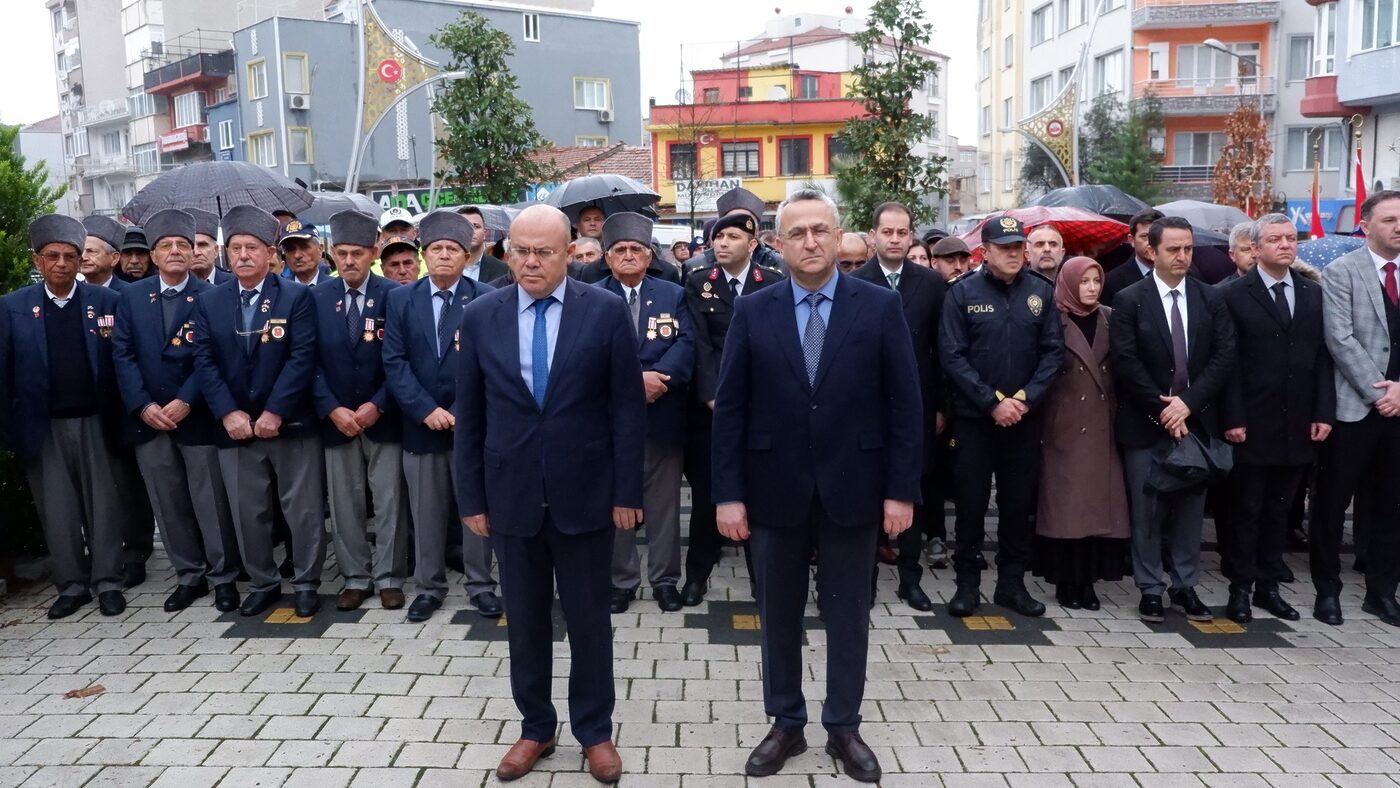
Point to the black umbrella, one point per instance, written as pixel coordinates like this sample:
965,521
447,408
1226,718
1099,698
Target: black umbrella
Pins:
217,186
497,219
608,192
1107,201
328,204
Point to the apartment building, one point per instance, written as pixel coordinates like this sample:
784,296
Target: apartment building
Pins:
1000,71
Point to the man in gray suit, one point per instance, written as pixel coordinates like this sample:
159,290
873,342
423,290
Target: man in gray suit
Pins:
1361,318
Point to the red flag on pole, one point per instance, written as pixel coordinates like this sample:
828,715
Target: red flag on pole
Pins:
1360,187
1315,231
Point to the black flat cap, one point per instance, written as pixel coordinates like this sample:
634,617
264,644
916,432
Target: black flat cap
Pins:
56,228
135,240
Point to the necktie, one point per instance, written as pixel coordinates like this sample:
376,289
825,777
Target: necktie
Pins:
1281,302
1179,379
1390,290
352,313
444,326
894,281
167,308
813,337
246,312
734,286
635,304
539,351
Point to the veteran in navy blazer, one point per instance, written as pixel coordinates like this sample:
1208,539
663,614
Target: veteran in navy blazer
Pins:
421,341
550,434
818,440
64,420
255,355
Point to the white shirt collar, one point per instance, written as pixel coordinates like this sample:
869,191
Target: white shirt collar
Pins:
1163,288
452,289
889,270
180,288
56,297
1143,268
743,276
1269,281
362,288
524,300
1377,259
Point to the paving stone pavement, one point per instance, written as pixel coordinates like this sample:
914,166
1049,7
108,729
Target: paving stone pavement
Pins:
363,699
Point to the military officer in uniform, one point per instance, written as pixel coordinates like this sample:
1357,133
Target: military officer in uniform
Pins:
666,350
710,293
1001,345
168,421
738,200
255,355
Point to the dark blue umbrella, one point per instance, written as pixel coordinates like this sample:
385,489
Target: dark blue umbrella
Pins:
1321,251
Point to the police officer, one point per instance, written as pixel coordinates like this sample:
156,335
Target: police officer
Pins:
1001,345
738,200
710,293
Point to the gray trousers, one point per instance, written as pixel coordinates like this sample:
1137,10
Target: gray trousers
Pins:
661,513
191,508
432,499
350,469
75,491
1173,517
249,472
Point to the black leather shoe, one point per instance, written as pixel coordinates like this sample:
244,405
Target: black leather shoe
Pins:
111,603
133,575
914,596
1192,605
184,596
306,603
1383,607
1328,610
1287,576
1067,595
1017,598
488,605
1087,598
258,601
423,608
769,756
1237,609
964,601
621,598
226,597
1150,609
1275,604
693,593
853,753
667,598
65,606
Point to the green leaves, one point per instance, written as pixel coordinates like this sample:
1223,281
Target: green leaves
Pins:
1115,149
24,196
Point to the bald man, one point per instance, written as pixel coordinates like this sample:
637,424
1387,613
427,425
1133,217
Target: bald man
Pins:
851,254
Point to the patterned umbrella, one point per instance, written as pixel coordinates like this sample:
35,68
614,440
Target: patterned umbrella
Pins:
1321,251
612,193
1108,201
217,186
1084,232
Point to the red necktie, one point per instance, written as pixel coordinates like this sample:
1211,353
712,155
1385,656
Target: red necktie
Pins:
1391,291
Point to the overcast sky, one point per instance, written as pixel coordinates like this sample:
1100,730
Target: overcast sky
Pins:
675,37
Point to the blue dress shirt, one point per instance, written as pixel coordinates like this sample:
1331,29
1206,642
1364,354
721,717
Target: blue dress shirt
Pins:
525,322
799,293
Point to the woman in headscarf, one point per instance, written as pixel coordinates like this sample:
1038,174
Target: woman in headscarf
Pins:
1082,516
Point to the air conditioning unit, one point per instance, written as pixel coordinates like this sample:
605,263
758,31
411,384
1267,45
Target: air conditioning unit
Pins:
605,116
299,101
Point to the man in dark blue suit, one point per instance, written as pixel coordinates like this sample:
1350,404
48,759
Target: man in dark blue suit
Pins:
255,355
63,420
421,342
102,251
817,441
666,350
550,435
359,425
204,265
169,423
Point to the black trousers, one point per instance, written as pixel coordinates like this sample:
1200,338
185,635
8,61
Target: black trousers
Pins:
1358,460
1252,534
581,565
706,543
139,523
781,562
982,449
909,549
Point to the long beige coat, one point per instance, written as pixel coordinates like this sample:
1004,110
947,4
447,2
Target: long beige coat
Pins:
1082,492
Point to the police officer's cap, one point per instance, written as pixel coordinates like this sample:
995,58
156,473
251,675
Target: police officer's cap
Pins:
1001,230
354,228
250,220
739,197
740,221
445,225
105,228
170,223
205,222
626,226
296,230
54,228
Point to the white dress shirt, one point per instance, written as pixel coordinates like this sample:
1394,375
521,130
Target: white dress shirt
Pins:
1380,266
743,279
61,301
1288,288
1164,292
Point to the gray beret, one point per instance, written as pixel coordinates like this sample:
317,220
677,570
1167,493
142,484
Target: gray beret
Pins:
355,228
169,223
739,197
250,220
106,228
57,228
444,225
205,222
626,227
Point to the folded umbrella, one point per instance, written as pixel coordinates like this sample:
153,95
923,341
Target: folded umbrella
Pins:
606,191
217,186
1191,462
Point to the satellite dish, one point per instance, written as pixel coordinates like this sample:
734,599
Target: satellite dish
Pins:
682,96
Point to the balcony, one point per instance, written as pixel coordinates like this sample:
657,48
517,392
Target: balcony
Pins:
1148,14
1209,97
183,138
189,72
1186,182
107,111
109,165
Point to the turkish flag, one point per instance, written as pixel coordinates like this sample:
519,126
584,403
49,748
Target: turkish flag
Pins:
1360,189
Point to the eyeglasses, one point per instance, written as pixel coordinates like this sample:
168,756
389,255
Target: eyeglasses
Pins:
50,258
523,253
178,244
797,235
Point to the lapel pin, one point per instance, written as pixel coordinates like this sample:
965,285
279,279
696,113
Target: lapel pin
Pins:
36,311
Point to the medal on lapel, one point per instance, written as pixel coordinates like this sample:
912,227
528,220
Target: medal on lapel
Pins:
36,312
368,336
369,303
104,325
457,340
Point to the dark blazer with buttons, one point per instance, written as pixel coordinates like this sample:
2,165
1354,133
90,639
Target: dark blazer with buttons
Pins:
669,349
350,365
492,268
852,440
1141,353
276,375
1121,277
157,366
1282,384
578,456
418,379
26,365
711,310
922,290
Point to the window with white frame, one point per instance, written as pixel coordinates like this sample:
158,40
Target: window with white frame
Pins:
1066,74
1379,19
590,93
1298,149
113,144
532,27
1008,173
1008,51
299,145
80,143
1040,24
591,142
1042,90
984,177
932,86
1300,57
189,109
986,63
986,120
1325,40
1157,56
1073,13
1112,5
1007,111
1108,73
296,73
142,104
1198,65
226,135
257,79
146,159
262,149
1197,148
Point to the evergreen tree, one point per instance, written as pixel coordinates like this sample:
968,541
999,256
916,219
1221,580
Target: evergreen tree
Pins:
24,196
1126,159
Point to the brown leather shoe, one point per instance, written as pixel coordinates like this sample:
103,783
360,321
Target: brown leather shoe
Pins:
351,598
391,598
521,758
603,762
